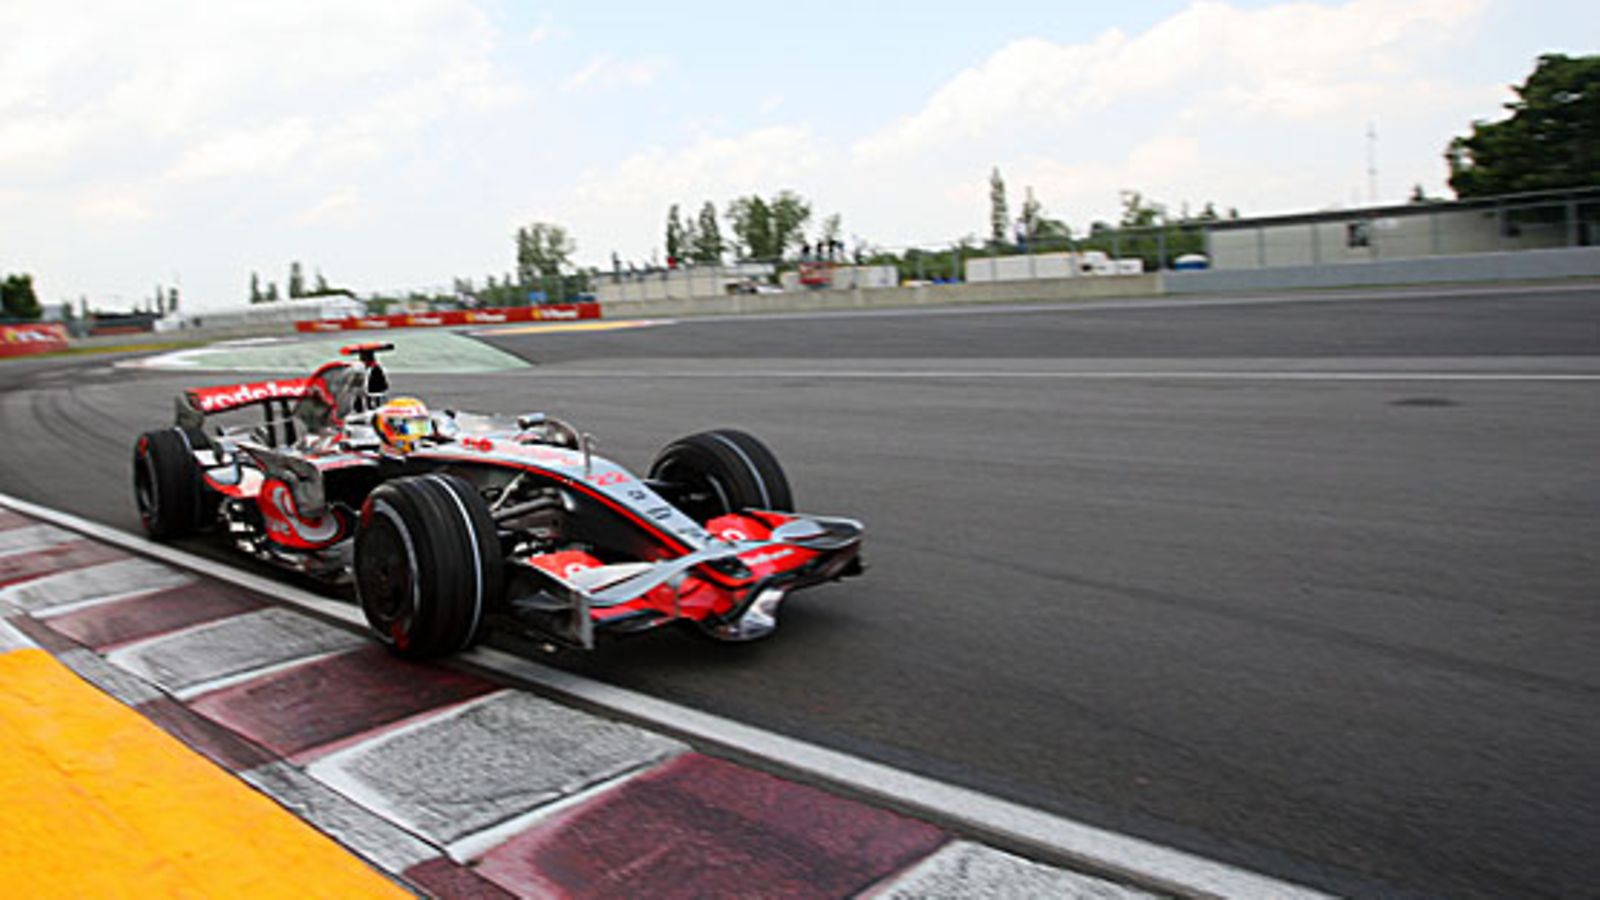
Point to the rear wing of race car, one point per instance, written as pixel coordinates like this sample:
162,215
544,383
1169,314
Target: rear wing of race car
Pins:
340,386
227,397
277,397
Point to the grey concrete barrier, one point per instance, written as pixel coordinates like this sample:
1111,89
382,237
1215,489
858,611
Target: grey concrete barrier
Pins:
1083,288
1522,265
111,342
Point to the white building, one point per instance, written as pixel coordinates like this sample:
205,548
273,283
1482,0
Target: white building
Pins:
1543,220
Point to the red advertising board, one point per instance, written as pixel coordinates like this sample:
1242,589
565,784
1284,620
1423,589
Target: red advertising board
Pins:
21,340
498,316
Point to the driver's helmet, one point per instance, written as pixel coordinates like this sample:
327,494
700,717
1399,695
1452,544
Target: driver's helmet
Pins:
402,422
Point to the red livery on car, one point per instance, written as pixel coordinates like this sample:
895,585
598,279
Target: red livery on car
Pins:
448,522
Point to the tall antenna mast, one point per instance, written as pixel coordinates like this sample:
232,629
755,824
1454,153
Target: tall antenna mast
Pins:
1372,164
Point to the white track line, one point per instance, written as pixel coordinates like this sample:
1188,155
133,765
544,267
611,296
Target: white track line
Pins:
1096,849
91,586
468,847
226,681
32,539
957,374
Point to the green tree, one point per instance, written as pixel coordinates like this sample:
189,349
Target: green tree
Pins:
751,220
271,296
1137,212
1032,215
1039,230
676,245
1052,231
255,288
686,245
707,246
543,249
766,229
790,213
18,299
297,280
1550,141
999,214
832,230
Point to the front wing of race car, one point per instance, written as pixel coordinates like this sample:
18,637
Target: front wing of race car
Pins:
731,588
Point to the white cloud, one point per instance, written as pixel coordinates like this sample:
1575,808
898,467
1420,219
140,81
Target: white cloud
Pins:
336,207
199,117
625,204
1161,168
606,71
32,144
1292,61
547,31
112,206
82,82
759,160
246,151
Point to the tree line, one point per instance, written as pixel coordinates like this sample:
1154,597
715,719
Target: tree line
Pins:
765,229
296,285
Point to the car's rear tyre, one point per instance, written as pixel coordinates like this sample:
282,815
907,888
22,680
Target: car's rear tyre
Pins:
427,564
723,471
166,484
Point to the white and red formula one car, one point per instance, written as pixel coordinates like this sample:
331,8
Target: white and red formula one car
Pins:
449,521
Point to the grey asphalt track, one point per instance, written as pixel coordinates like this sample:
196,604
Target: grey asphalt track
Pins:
1312,587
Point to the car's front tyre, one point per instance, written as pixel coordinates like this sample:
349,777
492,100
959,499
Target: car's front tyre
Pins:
723,471
427,564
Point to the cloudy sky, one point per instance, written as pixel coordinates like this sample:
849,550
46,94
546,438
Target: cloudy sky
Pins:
399,143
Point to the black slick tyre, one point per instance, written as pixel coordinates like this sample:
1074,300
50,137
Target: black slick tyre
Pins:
723,471
427,564
166,484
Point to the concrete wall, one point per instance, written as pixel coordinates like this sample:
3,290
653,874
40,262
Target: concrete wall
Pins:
885,298
111,342
1528,265
1574,262
688,282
